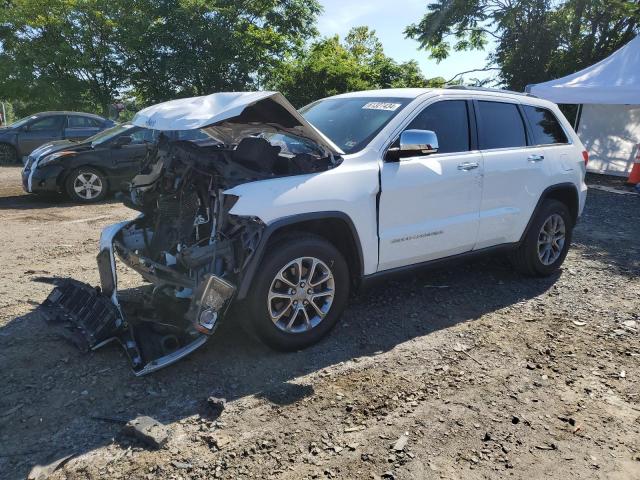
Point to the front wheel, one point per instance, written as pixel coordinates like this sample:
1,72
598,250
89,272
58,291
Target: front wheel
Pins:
547,241
299,293
86,185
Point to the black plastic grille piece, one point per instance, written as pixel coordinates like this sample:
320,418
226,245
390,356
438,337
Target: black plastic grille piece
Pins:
86,308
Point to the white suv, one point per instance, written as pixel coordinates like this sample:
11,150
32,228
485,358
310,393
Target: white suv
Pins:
284,213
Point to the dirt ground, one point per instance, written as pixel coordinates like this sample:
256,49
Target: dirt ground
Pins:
483,373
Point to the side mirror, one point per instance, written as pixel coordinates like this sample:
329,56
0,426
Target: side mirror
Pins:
122,140
413,143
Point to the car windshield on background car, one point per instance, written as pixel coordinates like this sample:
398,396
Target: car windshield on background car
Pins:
109,133
351,123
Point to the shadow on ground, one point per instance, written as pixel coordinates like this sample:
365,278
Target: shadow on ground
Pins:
51,391
41,201
609,231
63,389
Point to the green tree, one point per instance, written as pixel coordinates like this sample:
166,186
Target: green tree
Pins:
174,48
535,40
57,54
329,67
84,54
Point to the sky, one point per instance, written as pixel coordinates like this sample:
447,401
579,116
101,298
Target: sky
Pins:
389,18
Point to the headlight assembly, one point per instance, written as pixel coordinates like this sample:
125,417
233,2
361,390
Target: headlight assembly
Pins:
53,157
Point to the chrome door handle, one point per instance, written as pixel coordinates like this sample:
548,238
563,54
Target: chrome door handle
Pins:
535,158
468,165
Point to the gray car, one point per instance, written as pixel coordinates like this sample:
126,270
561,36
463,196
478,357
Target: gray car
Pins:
22,137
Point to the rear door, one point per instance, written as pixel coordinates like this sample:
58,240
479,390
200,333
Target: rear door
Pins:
514,172
80,127
41,130
548,134
429,205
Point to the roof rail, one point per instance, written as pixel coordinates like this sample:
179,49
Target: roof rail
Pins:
494,90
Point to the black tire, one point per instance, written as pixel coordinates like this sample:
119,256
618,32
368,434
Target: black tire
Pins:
526,258
86,196
8,154
280,254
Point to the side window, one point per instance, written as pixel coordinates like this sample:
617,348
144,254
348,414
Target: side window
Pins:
450,121
53,122
75,121
501,126
291,144
545,126
93,122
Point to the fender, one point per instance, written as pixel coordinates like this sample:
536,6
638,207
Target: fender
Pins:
543,196
274,227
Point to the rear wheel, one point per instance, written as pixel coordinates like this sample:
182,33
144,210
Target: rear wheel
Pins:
547,241
8,154
86,185
300,292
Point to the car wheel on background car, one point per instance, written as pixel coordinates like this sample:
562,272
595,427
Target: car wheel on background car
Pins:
547,241
8,154
299,293
86,185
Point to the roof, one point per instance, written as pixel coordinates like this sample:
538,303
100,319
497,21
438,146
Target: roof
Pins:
488,90
66,112
614,80
388,92
457,91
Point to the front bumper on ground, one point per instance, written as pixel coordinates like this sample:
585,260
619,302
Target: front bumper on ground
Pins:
98,316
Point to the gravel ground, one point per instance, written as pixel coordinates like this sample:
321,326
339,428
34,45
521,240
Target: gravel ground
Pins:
471,372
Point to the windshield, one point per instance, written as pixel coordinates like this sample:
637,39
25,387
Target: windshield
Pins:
351,123
108,134
291,145
21,122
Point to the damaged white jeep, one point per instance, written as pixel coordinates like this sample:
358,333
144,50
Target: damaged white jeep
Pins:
284,213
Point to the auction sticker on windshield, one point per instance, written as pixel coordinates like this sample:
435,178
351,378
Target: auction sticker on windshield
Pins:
381,106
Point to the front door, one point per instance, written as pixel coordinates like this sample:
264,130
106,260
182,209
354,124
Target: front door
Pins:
127,159
429,205
41,130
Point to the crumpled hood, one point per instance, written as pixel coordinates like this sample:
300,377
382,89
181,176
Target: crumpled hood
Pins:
230,116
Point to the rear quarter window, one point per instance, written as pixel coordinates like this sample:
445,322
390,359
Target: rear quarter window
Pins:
545,126
95,123
76,121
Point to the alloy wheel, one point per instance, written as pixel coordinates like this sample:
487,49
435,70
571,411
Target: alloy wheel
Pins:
87,186
551,239
301,295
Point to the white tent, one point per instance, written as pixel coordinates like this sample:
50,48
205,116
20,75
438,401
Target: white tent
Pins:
609,114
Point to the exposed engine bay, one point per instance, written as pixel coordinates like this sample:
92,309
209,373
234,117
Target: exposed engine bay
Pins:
185,244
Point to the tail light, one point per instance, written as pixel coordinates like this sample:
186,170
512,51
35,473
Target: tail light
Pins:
585,155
